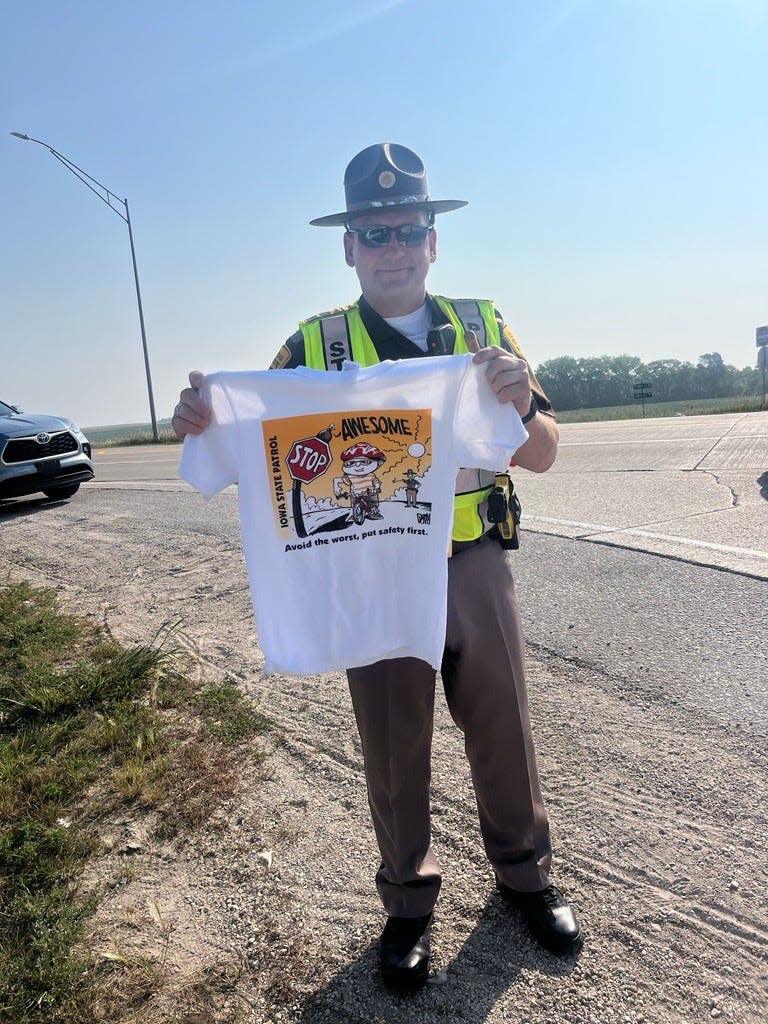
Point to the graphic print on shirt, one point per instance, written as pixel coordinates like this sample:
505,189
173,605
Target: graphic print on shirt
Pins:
351,475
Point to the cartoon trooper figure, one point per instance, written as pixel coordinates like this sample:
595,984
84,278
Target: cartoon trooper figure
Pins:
412,485
362,485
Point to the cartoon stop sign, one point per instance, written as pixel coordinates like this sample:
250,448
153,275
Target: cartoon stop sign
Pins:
308,459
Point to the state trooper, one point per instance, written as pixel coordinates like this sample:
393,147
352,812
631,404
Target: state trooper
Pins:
391,242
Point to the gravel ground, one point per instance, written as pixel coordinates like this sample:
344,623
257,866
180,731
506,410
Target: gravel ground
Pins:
658,819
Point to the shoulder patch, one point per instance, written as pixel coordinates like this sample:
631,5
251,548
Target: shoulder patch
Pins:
513,343
329,312
447,298
282,358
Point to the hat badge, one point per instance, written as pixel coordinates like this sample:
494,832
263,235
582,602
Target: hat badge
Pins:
387,179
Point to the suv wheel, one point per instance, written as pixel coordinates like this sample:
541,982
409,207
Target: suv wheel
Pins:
55,493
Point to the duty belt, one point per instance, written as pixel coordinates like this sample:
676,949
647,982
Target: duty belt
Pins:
462,545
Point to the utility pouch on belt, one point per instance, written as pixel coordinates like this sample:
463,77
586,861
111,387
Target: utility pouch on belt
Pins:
504,511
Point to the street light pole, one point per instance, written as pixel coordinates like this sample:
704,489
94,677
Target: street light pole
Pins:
141,322
107,198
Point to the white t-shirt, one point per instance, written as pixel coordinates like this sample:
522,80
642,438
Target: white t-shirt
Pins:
346,486
415,326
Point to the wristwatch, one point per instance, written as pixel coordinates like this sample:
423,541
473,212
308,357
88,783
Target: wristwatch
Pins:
532,411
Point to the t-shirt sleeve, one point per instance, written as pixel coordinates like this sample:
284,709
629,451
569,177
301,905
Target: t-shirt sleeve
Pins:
487,432
209,461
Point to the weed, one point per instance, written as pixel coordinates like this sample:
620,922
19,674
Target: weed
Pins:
227,715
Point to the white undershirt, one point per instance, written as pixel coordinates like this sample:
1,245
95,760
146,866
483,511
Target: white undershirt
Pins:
414,326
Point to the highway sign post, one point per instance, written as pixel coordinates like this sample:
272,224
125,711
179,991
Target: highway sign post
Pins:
762,359
761,340
642,391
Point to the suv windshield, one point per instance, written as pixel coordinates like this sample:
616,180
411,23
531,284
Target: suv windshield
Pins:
6,410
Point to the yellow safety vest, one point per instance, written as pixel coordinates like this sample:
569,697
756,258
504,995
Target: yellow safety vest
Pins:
340,334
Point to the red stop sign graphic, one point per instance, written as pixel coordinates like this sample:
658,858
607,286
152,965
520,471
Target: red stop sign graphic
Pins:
308,459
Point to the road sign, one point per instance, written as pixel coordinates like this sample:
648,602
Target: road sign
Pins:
762,357
642,391
761,336
308,459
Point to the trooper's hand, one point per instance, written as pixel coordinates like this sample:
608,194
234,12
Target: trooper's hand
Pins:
507,374
191,415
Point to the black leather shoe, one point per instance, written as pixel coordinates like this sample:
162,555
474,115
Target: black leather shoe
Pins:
549,918
405,952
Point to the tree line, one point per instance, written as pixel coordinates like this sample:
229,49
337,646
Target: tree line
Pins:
595,382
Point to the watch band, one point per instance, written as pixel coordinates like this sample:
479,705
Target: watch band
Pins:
532,411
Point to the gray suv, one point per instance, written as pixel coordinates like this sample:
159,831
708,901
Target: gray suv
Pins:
41,453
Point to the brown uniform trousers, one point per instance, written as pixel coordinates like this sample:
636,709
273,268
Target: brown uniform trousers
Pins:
484,684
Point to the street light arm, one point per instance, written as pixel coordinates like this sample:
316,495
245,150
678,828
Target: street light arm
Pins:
79,173
126,218
72,167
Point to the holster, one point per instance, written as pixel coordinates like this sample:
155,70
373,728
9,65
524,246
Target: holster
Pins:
504,512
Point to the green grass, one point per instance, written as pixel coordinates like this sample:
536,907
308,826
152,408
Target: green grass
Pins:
87,726
129,434
699,407
226,714
163,437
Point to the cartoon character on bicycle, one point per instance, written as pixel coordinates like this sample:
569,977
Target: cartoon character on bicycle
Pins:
359,482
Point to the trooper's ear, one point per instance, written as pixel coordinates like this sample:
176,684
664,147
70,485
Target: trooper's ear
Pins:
349,238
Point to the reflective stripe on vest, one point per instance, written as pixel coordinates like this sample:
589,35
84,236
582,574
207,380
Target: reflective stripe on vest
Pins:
478,315
331,338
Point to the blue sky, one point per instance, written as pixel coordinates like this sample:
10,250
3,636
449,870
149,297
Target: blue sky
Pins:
614,153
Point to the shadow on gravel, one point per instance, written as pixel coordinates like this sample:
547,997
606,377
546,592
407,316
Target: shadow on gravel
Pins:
491,962
763,481
17,508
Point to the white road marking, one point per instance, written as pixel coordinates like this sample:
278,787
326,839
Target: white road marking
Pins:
150,485
602,528
660,440
131,462
178,484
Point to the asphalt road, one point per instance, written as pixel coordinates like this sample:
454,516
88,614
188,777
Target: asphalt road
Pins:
692,488
645,553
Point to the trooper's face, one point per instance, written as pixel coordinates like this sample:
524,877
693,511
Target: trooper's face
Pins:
360,467
392,276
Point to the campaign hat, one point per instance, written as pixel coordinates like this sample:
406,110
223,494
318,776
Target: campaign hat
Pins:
383,177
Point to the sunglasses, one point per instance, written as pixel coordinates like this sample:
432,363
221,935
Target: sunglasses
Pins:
377,235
